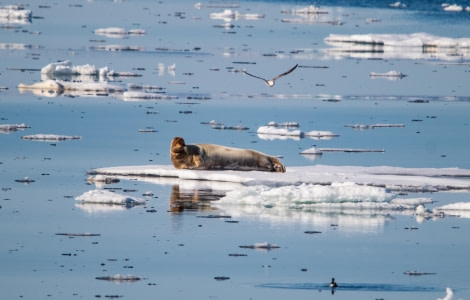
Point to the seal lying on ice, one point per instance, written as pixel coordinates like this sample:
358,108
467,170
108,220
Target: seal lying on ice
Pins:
211,156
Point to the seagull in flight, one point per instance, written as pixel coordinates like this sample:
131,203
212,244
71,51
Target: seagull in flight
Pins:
270,82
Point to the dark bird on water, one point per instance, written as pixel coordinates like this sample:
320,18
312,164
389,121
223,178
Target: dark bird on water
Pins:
333,283
270,82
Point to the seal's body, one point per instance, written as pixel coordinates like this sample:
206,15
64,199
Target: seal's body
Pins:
211,156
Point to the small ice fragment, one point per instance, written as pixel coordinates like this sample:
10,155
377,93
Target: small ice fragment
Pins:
107,197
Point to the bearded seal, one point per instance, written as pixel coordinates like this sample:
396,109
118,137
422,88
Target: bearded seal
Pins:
211,156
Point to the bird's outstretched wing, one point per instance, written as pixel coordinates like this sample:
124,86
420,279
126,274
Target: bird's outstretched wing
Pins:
253,75
285,73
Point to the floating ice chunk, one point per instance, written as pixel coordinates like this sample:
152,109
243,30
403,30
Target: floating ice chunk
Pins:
135,95
305,195
319,134
66,68
228,15
107,197
456,206
399,40
14,12
118,48
397,4
312,151
461,209
453,7
312,9
272,130
119,278
283,124
261,246
350,150
392,75
7,128
372,126
55,87
117,32
50,137
278,131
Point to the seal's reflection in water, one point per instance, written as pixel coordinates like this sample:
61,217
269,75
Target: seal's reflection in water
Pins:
193,199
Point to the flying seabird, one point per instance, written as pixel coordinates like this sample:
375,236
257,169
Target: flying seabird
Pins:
270,82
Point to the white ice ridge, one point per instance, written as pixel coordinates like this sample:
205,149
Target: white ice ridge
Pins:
392,178
401,40
107,197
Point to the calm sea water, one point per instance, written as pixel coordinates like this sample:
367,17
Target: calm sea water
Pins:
178,254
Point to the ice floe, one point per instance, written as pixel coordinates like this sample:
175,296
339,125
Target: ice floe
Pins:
372,126
118,278
391,75
407,46
8,128
398,4
50,137
15,14
312,9
218,4
347,150
393,178
117,32
454,7
265,246
275,132
53,88
66,68
358,199
227,15
107,197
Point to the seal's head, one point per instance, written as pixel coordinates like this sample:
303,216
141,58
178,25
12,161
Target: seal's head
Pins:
177,145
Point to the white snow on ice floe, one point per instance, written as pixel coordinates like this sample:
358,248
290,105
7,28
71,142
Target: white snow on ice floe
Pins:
8,128
66,68
460,209
52,88
390,75
117,32
14,12
358,199
317,151
372,126
50,137
274,132
107,197
401,40
228,15
309,10
406,46
393,178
